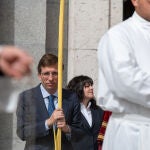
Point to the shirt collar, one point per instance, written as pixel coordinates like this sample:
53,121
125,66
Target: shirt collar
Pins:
141,20
45,93
83,106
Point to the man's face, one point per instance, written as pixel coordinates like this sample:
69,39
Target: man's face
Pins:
142,7
49,78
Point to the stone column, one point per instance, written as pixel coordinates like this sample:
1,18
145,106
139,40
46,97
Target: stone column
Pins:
52,25
6,37
116,11
88,20
30,34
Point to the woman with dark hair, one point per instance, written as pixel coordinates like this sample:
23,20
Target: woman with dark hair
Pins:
91,114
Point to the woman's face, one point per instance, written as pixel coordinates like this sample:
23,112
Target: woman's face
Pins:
88,91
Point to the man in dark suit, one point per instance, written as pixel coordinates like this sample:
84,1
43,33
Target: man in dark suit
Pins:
35,118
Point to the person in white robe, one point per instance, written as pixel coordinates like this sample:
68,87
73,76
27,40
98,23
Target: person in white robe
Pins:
124,81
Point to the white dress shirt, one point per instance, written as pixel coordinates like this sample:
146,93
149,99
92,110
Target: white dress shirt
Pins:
45,95
86,111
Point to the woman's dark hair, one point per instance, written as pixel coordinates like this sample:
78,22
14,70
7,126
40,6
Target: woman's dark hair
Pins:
77,84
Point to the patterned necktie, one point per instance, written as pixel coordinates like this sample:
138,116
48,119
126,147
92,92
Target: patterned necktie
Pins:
51,106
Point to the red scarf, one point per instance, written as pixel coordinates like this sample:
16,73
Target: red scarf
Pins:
102,130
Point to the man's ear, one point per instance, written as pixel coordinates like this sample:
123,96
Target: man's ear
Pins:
135,2
39,76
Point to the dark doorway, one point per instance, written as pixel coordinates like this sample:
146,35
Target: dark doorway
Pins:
128,9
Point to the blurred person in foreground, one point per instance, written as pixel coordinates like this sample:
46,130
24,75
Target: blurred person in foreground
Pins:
15,63
91,114
38,114
124,81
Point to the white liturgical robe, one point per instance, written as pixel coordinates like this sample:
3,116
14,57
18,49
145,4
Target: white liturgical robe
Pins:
124,84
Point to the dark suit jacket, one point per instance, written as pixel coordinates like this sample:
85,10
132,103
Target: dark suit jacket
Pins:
86,136
31,116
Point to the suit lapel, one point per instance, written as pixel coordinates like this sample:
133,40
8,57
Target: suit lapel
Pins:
41,108
65,103
85,122
94,116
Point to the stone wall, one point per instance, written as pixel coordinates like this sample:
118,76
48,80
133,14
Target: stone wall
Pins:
33,25
88,21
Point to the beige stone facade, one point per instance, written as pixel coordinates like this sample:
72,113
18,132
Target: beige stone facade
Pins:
33,25
88,21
